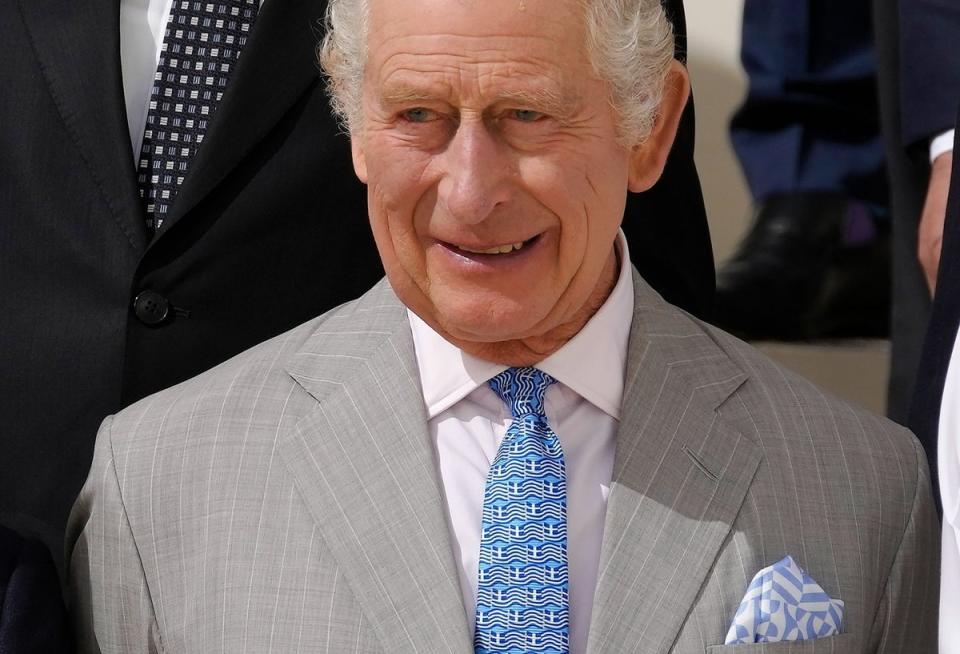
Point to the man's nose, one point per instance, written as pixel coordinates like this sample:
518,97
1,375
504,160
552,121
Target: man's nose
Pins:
478,167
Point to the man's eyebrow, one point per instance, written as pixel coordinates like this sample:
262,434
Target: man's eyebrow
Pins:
542,99
405,94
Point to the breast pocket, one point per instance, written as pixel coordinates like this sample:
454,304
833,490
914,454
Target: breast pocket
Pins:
842,644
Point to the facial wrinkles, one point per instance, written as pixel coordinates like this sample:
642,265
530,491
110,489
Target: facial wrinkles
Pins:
470,80
469,70
565,302
538,211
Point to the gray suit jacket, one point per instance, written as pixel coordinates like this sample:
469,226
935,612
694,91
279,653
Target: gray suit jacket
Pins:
288,500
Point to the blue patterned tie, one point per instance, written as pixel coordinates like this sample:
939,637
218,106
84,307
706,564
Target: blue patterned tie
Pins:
522,595
201,45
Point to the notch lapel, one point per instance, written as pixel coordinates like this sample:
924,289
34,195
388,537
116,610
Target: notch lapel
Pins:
276,66
365,466
680,476
78,47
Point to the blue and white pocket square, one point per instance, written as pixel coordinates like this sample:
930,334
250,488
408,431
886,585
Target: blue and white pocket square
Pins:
784,603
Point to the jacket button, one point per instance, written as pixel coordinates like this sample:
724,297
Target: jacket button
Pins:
151,308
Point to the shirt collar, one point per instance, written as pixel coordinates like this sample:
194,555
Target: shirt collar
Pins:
592,363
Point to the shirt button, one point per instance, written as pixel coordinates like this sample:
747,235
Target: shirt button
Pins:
151,308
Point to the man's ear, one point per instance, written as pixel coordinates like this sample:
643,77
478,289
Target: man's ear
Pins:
359,158
648,159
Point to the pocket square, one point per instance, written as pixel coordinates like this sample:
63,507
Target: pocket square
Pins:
784,603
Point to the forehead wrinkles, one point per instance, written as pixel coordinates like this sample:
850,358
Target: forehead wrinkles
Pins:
555,19
500,67
466,49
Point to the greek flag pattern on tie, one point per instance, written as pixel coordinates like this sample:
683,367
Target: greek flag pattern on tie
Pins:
201,44
523,595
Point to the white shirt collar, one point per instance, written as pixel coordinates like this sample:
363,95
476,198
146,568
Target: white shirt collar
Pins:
592,363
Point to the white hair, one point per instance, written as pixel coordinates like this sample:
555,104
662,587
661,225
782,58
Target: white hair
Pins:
629,42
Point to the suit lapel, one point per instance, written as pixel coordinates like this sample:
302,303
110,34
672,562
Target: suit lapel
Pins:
680,476
365,466
78,47
275,68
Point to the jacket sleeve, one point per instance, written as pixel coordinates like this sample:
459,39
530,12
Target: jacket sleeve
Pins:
929,68
110,600
907,616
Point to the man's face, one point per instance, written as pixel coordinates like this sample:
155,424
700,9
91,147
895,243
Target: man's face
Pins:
496,180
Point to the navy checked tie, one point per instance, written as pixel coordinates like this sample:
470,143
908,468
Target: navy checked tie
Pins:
522,592
200,47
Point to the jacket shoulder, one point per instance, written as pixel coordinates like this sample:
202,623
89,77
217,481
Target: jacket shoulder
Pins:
776,391
800,425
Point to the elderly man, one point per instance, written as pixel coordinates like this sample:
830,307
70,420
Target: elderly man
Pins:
512,444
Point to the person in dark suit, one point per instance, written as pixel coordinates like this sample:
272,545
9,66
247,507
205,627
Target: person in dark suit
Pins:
933,414
920,91
99,310
32,618
920,85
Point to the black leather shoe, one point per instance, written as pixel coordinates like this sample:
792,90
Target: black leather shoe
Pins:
814,265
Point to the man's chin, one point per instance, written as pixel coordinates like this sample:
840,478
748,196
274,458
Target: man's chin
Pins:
515,352
511,345
487,331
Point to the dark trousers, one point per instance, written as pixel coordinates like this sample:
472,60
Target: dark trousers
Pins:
810,121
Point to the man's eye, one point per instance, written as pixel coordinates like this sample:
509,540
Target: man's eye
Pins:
418,115
527,115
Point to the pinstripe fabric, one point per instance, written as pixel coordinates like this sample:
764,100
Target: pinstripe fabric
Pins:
288,501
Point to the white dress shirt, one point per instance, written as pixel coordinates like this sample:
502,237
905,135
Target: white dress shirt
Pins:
948,465
468,421
941,144
142,24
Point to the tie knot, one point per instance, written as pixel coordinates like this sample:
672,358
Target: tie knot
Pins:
522,389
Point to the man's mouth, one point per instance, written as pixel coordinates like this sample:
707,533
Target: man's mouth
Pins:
506,248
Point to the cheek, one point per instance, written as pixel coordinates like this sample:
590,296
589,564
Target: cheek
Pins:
586,190
587,195
397,186
558,185
394,161
392,223
394,200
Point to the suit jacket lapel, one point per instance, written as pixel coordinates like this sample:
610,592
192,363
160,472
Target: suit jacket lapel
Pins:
78,47
365,466
680,476
276,66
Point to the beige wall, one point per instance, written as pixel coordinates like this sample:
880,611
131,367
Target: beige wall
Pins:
719,85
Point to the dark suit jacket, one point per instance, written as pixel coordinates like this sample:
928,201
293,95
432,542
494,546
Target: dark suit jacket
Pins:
32,619
268,230
930,73
666,227
909,176
929,96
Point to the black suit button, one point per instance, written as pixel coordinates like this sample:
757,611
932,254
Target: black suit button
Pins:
151,307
